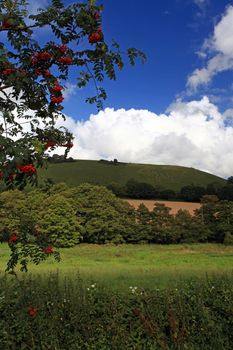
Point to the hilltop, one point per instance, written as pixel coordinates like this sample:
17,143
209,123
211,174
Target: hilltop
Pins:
105,173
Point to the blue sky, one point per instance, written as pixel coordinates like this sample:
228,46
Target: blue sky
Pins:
170,32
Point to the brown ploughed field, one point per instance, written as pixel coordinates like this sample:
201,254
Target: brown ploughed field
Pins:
175,206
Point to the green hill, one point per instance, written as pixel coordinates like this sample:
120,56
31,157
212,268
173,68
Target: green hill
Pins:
104,173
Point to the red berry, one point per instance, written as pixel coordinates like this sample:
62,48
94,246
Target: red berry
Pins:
95,37
6,24
63,48
57,88
47,73
32,311
65,60
8,71
13,238
45,56
38,71
50,144
68,145
27,169
57,99
97,15
48,250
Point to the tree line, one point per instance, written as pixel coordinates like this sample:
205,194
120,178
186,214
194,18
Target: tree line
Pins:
189,193
66,216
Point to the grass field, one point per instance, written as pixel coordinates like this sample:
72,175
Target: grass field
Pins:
167,176
146,266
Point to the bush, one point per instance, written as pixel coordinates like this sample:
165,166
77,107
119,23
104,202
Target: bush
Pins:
228,239
49,314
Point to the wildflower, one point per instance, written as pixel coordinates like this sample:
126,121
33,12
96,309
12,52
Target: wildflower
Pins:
133,289
32,311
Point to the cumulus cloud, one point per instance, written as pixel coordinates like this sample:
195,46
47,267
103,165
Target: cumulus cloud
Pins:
191,134
218,50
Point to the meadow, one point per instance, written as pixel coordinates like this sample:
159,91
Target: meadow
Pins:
126,297
145,266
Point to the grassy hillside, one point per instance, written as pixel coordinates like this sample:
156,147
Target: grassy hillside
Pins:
167,176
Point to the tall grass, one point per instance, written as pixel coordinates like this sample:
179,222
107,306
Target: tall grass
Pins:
71,315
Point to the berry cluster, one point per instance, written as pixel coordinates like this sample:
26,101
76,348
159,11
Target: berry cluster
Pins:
27,169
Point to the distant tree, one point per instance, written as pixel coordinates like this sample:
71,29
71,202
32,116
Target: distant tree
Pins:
135,189
213,188
209,198
143,217
167,194
189,229
117,189
230,180
192,193
226,192
162,223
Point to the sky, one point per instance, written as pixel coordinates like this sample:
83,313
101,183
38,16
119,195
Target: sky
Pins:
177,108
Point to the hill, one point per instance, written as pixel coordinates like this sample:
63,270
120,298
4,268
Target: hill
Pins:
104,173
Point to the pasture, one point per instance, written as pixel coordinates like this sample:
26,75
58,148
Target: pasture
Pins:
104,173
146,266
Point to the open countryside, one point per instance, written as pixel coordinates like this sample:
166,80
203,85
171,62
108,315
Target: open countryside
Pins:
132,250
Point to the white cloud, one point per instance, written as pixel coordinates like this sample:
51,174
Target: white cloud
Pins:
220,47
70,90
34,5
190,134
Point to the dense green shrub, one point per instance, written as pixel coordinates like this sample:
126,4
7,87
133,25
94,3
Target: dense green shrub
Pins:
66,315
93,214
